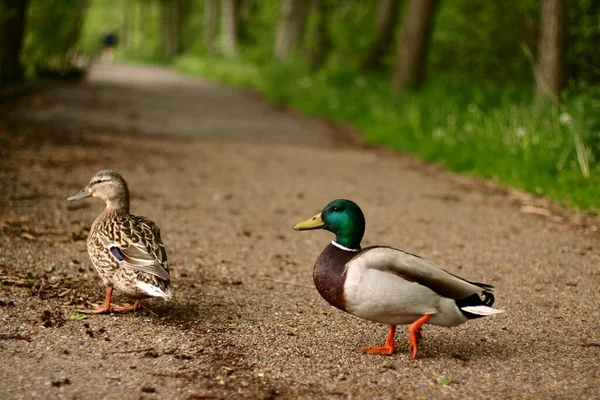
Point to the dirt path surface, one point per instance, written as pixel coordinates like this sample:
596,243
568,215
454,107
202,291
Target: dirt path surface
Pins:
154,101
226,176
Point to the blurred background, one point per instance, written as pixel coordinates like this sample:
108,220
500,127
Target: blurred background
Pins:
496,89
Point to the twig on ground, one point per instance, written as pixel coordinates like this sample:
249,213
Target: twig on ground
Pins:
12,281
17,337
150,311
130,351
286,282
178,374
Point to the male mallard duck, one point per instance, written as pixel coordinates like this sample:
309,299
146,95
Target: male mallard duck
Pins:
125,249
387,285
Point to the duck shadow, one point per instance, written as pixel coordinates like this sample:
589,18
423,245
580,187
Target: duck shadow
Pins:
467,349
461,343
185,314
463,346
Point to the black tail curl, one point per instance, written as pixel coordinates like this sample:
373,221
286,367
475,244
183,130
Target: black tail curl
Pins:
484,299
487,299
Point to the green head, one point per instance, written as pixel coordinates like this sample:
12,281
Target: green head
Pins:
342,217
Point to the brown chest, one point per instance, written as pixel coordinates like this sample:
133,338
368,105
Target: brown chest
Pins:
329,275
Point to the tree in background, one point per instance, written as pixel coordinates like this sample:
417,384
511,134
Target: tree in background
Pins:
321,40
386,24
289,30
549,71
12,28
474,40
72,37
229,27
170,21
126,25
211,19
413,45
582,28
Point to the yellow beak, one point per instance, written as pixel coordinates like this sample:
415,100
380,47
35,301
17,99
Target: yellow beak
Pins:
315,222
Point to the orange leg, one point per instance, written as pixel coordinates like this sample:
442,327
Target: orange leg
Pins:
388,348
135,307
414,334
106,308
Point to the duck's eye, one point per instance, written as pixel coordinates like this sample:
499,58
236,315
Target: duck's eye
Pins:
336,209
96,182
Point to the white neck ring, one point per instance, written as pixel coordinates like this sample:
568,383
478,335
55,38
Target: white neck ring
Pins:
339,246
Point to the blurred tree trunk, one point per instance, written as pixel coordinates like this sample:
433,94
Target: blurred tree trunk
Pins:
587,65
290,27
146,22
229,26
322,43
12,28
70,48
244,9
170,27
211,19
126,25
386,22
549,74
184,8
412,48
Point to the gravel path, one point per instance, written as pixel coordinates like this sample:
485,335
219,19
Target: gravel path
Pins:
226,176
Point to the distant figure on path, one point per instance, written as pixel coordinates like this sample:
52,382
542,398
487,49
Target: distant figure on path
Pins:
109,41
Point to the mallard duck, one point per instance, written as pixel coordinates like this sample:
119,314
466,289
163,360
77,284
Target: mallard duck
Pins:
387,285
125,249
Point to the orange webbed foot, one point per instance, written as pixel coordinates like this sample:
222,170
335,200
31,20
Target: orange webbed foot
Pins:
387,349
414,334
99,310
384,350
127,307
106,307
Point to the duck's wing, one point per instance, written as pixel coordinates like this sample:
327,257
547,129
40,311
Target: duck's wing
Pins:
416,269
140,247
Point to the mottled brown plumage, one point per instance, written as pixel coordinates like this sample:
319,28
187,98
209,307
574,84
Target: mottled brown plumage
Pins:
125,249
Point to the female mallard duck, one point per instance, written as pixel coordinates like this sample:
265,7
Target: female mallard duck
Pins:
387,285
125,249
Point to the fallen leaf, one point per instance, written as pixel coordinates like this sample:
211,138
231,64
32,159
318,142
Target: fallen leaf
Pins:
27,235
536,210
78,316
444,381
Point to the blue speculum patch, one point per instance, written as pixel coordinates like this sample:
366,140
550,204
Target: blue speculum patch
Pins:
117,253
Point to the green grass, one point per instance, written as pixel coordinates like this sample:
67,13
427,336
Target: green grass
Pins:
475,129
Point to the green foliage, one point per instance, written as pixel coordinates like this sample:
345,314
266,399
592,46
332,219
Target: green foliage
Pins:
474,115
142,40
352,30
77,316
480,130
444,381
483,39
102,17
583,36
53,28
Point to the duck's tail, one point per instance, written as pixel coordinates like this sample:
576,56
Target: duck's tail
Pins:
162,289
476,306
